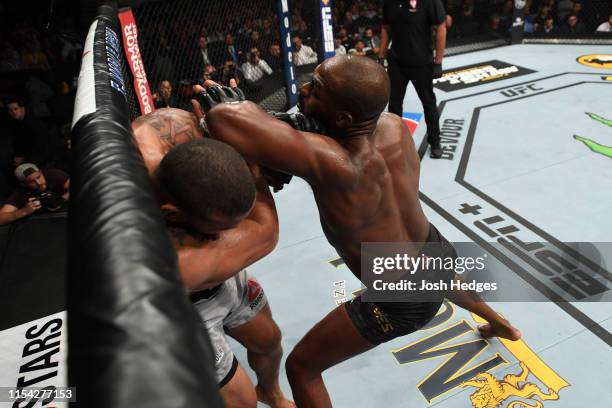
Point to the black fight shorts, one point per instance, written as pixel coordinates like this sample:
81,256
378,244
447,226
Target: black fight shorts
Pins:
379,322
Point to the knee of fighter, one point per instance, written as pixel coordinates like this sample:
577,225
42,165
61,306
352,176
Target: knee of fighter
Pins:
296,363
268,343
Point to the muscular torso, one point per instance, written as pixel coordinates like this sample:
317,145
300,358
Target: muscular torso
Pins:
381,204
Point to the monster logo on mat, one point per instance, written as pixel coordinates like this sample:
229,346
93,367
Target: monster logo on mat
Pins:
469,363
593,145
491,392
602,61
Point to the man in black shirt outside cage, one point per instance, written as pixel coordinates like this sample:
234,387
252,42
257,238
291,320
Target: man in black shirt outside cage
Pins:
408,23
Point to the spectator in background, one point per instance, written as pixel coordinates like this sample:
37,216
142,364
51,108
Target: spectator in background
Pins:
268,30
255,68
549,27
338,47
573,26
605,27
370,40
540,19
361,50
164,97
45,190
346,40
255,40
228,52
31,142
303,54
229,73
203,56
302,30
210,72
275,59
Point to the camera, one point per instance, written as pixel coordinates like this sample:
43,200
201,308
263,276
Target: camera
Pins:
49,201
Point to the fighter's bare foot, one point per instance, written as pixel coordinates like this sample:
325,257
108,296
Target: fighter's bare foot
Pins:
277,400
501,328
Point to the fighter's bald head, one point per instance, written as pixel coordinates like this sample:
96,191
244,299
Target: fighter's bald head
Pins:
357,84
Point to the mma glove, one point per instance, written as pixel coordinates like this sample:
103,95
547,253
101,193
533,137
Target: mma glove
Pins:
301,122
215,95
437,71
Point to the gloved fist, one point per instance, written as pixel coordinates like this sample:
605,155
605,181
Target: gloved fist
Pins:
301,122
219,94
437,71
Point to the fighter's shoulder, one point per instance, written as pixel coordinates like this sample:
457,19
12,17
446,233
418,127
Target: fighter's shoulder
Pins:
390,122
158,117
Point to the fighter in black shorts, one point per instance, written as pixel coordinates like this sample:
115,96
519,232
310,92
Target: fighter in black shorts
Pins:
365,180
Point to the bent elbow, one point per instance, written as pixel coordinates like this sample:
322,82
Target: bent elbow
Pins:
269,239
272,239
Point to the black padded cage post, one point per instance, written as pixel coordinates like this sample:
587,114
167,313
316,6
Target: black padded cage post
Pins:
134,338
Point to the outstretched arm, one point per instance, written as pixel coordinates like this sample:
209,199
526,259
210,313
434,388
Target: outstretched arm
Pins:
264,140
206,263
10,213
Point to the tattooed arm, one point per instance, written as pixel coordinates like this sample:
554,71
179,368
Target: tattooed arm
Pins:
157,132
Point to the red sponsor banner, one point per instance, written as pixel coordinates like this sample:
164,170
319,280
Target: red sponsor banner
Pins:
132,52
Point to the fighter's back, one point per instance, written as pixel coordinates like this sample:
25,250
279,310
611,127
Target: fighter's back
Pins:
381,204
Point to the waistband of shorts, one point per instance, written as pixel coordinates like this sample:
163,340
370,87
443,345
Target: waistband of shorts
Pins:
433,234
204,294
